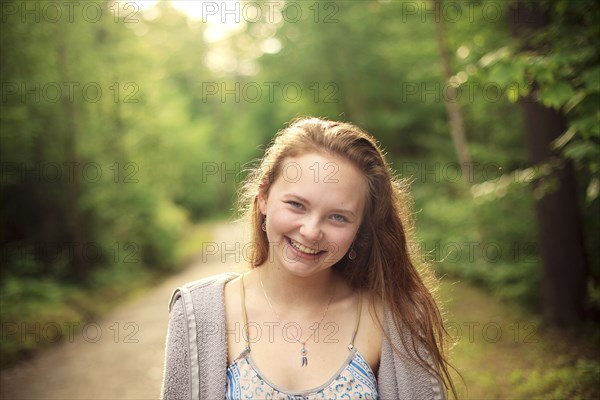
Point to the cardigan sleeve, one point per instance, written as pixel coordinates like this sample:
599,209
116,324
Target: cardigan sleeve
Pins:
177,372
399,375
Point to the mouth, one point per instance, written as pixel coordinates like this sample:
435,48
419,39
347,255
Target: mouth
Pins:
304,249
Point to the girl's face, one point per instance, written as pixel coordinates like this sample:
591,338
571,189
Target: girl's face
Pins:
314,209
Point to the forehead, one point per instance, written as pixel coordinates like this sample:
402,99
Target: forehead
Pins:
324,178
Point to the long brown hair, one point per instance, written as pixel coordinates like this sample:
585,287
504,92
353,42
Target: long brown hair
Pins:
396,273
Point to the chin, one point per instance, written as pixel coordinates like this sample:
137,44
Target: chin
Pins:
303,269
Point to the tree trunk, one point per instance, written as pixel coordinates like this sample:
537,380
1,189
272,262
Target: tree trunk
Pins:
560,228
455,118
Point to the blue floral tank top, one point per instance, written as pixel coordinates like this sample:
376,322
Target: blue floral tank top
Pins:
353,380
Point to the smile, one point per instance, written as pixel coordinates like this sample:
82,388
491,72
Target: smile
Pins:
300,247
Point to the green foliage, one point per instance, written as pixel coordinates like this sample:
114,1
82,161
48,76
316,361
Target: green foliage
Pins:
45,304
579,381
506,352
472,243
558,67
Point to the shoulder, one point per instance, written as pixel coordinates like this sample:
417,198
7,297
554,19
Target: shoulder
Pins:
369,334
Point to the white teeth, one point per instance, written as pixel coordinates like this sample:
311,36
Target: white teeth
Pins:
303,248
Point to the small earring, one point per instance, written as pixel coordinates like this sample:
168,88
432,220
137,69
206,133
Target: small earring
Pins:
264,225
352,253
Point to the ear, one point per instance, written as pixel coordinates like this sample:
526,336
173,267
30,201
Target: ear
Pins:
262,202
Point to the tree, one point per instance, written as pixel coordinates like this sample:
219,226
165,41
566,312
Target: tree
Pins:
560,227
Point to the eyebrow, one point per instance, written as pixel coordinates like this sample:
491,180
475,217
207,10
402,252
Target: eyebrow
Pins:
304,200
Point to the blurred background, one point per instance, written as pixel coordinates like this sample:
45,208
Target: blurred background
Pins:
127,127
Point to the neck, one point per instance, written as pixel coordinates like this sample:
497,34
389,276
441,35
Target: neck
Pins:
289,292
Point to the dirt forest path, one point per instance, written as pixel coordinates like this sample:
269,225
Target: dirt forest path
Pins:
121,356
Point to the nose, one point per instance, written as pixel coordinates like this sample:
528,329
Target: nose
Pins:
311,230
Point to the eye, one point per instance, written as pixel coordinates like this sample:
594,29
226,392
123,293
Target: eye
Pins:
294,204
339,218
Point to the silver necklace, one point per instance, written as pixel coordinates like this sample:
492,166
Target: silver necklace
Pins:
303,352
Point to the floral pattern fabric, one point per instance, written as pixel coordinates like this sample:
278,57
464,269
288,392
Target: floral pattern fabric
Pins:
354,380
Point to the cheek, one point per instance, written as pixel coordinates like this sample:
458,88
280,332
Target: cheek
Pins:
340,242
280,220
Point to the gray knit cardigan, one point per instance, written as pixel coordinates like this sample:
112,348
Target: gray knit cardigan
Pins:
196,350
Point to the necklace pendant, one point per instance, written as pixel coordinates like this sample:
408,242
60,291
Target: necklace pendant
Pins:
304,358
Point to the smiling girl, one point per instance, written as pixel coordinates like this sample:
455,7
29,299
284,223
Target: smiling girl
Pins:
334,304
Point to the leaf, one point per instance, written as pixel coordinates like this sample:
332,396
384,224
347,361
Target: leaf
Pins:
556,95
